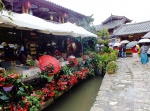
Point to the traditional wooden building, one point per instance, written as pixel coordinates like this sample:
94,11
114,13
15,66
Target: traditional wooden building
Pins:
44,9
112,23
132,31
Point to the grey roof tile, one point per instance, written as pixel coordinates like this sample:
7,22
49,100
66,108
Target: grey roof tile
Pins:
109,25
133,28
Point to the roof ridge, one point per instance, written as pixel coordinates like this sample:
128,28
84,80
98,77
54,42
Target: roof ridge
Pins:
137,23
63,7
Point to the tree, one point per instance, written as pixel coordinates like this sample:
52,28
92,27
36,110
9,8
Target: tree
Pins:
2,6
104,34
87,23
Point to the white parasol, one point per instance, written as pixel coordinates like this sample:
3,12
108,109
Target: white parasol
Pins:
124,42
143,40
117,44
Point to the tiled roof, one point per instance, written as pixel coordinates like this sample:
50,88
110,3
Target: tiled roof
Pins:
63,8
133,28
116,17
109,25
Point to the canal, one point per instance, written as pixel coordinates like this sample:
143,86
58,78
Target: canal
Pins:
80,98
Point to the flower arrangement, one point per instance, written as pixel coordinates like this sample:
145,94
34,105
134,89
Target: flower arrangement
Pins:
73,62
8,78
49,68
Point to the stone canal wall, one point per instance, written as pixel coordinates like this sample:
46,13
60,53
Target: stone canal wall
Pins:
126,90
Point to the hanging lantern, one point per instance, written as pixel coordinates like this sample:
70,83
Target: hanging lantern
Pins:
27,4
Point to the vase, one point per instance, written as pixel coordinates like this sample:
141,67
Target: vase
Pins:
49,79
31,66
110,72
7,87
50,74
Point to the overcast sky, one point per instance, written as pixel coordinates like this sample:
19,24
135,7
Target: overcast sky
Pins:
136,10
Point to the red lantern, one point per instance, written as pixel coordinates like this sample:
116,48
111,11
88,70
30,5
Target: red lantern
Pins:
27,5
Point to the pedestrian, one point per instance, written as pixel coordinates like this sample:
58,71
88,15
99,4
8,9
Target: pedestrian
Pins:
124,51
135,56
143,53
120,51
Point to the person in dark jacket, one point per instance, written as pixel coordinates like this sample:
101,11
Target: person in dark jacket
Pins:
124,51
120,51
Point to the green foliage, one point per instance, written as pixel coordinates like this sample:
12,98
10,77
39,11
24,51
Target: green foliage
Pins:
97,61
106,42
66,70
103,34
105,49
112,57
34,103
4,98
2,6
111,66
100,41
87,23
104,59
89,44
30,62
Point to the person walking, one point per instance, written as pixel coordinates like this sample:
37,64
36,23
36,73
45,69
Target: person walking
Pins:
124,51
143,53
135,56
120,51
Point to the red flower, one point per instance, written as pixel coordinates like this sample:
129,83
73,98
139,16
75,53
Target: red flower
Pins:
2,79
73,62
51,94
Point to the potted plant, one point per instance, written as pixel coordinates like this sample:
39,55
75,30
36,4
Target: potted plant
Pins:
8,79
111,67
72,61
30,63
49,72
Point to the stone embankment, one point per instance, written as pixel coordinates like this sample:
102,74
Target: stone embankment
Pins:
126,90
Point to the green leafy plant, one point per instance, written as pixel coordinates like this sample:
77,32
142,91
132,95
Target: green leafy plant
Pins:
66,70
111,67
30,62
34,103
103,34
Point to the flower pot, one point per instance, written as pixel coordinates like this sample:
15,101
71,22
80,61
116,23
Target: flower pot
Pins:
110,72
7,87
50,74
31,66
49,79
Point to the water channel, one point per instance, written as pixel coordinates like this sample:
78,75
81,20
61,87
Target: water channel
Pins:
80,98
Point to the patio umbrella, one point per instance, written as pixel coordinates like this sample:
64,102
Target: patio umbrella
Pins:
143,40
124,42
146,36
117,44
131,44
46,59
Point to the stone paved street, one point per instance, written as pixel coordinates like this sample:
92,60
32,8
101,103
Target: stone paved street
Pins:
126,90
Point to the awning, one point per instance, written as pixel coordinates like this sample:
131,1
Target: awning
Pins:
28,22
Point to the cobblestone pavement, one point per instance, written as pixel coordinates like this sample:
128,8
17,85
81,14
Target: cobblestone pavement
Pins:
126,90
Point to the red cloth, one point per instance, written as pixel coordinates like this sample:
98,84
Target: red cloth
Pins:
134,49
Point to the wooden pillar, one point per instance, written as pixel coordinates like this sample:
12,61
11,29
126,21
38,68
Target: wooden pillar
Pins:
59,19
63,19
23,8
